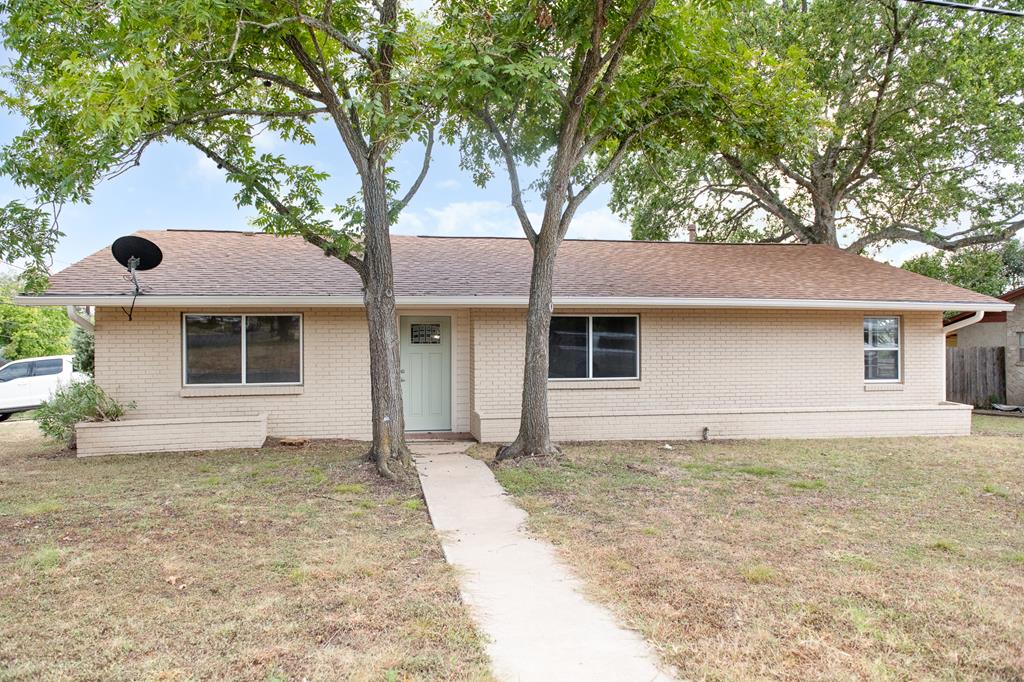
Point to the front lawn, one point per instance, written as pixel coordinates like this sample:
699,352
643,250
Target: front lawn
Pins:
837,559
273,564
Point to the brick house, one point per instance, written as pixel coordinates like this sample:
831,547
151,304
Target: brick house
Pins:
237,332
999,329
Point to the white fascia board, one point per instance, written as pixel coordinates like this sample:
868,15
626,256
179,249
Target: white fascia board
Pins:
151,301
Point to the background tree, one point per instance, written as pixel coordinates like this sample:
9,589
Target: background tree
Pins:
99,82
30,332
978,270
83,346
573,87
991,270
919,126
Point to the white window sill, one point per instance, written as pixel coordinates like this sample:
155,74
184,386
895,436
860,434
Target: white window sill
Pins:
569,384
884,386
211,391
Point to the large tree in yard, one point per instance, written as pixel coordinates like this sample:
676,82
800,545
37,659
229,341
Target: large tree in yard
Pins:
571,88
99,82
918,136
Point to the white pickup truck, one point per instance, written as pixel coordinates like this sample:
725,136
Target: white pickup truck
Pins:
26,384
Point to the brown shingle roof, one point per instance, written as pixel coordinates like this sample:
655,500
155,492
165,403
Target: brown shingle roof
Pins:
201,263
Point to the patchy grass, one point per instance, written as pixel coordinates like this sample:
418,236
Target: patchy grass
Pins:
990,425
874,559
280,563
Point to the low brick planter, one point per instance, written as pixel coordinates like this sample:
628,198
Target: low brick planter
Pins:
133,436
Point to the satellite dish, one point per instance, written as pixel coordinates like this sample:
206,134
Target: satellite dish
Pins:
136,253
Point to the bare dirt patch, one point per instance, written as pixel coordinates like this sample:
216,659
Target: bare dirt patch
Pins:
284,563
799,560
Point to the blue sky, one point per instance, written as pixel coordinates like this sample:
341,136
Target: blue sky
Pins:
176,187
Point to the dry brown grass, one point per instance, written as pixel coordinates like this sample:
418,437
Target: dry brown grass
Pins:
274,564
800,560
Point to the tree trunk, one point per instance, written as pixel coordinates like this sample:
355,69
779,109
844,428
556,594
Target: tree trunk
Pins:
388,448
534,430
825,223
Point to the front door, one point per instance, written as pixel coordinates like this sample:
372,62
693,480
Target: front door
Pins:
427,373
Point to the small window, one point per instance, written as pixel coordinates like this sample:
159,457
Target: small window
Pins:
428,334
15,370
1020,346
42,368
881,349
243,349
594,347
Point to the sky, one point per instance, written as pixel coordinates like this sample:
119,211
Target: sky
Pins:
176,187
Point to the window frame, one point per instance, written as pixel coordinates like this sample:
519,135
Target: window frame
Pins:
590,349
243,382
898,349
1020,348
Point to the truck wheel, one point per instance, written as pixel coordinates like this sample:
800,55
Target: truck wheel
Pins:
5,416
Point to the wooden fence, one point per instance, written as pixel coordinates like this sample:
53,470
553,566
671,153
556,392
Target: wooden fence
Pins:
976,376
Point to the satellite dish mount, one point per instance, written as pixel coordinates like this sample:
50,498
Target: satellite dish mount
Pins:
136,254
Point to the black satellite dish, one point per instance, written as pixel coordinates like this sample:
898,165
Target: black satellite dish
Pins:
136,254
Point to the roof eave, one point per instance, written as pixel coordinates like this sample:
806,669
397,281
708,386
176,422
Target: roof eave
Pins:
155,301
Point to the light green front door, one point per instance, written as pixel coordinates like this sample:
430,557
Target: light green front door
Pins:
427,373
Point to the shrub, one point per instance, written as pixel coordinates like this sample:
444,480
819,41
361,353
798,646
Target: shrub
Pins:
83,345
77,402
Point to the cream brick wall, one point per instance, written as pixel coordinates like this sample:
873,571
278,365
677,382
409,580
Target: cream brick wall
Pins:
170,435
141,361
740,373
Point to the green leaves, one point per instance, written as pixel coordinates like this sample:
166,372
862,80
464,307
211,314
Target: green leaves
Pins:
30,332
100,82
27,234
850,125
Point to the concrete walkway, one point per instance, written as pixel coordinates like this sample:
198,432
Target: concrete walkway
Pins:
523,598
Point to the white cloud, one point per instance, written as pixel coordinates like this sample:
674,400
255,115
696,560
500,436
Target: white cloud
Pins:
598,223
205,169
463,218
266,141
498,219
448,184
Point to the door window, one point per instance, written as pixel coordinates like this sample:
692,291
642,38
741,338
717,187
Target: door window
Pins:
15,370
42,368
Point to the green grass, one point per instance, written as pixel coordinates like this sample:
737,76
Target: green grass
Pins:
243,564
758,574
42,560
42,507
870,559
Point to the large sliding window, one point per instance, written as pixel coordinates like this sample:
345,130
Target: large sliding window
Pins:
243,349
594,347
882,349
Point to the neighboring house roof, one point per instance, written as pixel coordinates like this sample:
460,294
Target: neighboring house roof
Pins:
1010,296
215,267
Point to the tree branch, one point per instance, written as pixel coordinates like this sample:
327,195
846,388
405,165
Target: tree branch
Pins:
951,242
419,178
772,202
513,175
280,80
356,145
308,235
321,25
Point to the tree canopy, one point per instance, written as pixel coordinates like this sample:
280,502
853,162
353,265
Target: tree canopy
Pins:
30,332
987,270
917,135
100,82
